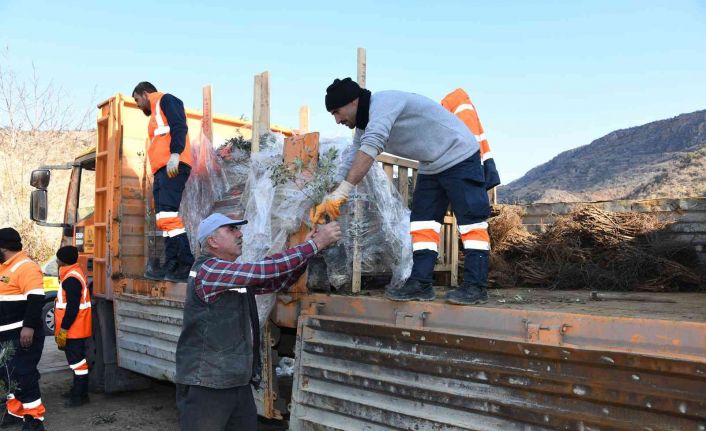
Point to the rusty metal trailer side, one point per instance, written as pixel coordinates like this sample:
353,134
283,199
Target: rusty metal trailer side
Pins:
363,363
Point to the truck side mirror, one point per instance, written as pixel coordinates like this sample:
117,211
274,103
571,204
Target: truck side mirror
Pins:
38,203
40,179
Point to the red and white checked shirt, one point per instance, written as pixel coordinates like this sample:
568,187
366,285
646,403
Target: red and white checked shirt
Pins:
272,274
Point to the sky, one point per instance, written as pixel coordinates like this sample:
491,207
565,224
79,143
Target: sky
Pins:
545,76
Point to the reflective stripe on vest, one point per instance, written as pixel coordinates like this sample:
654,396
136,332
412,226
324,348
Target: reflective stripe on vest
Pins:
18,297
18,264
11,326
162,128
159,132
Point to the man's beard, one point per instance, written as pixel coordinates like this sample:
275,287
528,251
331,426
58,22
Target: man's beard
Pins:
147,112
3,259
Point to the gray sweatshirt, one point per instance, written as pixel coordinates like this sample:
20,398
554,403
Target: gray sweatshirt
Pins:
415,127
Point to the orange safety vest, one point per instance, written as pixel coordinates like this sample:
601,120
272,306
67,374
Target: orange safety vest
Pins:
19,278
160,137
82,326
459,103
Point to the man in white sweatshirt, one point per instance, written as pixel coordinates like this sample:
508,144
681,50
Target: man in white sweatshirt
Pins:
450,171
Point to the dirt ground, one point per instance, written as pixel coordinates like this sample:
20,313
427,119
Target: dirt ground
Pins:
153,409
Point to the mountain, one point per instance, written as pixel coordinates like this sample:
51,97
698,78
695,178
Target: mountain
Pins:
665,158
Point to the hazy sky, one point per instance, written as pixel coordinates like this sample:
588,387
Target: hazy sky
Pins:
546,76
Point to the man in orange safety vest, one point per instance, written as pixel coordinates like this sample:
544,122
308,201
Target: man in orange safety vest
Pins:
73,322
169,154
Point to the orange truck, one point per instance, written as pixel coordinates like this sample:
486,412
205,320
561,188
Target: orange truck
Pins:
363,362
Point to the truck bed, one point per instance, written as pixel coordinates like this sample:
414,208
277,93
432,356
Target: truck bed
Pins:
666,306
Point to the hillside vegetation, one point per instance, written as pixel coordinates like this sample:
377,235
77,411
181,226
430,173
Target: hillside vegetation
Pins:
665,158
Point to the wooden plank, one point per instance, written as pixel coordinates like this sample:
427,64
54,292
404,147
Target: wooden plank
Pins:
207,120
399,161
132,229
304,119
388,171
362,68
454,252
131,193
304,147
404,184
356,279
134,209
261,109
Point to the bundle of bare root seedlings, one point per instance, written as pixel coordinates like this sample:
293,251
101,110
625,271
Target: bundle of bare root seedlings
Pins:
591,249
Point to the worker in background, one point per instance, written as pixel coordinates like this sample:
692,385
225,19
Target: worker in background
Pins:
73,324
218,353
450,170
169,154
21,302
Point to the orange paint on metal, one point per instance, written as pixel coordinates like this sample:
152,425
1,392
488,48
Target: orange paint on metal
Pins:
357,305
305,148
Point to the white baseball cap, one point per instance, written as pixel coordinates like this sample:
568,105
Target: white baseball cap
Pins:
213,222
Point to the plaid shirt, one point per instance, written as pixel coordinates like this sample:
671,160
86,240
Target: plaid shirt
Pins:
272,274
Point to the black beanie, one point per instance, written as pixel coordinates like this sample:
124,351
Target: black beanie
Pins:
341,92
67,254
10,239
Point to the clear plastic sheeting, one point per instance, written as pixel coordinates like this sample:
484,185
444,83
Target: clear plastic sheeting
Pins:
231,181
380,231
273,214
234,157
217,183
206,185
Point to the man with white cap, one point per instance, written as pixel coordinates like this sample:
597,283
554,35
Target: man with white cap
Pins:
217,355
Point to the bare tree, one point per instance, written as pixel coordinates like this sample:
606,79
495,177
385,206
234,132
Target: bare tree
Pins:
38,126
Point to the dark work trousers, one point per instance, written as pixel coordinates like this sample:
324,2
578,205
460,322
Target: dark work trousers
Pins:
22,368
462,185
207,409
76,357
167,197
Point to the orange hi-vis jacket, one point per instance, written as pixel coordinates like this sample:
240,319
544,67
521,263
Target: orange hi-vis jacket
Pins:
82,326
21,296
459,103
160,137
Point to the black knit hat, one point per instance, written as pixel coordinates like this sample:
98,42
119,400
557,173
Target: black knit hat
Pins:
67,254
10,239
341,92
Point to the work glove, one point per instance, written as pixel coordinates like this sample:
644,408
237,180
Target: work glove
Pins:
61,339
331,205
173,165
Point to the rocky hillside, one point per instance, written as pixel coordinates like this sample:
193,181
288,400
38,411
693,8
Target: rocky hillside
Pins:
665,158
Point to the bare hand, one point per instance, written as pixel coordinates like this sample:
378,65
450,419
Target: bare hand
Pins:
327,235
26,337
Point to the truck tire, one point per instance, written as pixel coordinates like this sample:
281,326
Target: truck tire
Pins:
94,354
48,319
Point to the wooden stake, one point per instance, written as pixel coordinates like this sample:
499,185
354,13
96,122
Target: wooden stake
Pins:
304,119
362,67
207,119
261,109
356,282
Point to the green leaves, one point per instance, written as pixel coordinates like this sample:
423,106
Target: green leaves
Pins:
313,181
